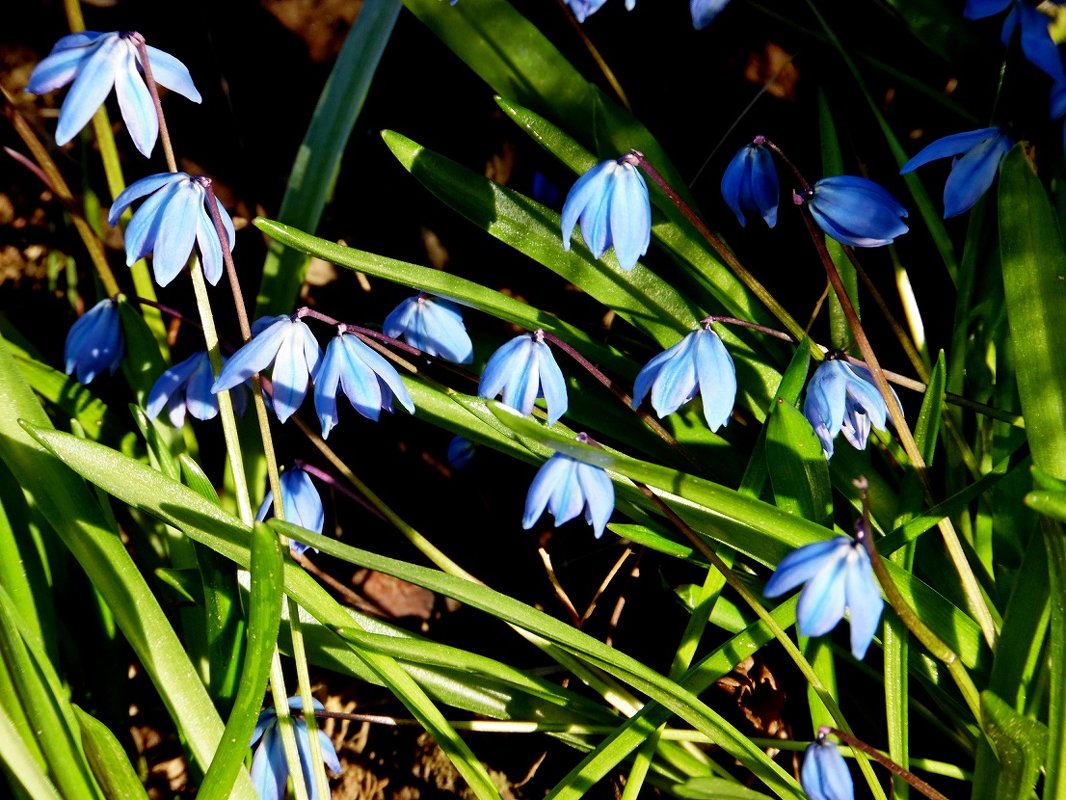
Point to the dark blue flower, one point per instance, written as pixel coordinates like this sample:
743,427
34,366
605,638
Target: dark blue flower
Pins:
843,397
433,325
368,380
288,344
95,342
704,12
824,774
1038,47
461,452
976,157
169,222
583,8
611,202
270,770
750,183
698,363
301,503
95,62
855,211
525,369
187,387
838,577
567,487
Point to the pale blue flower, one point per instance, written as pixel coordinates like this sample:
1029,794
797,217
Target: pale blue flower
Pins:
368,380
187,387
270,770
750,183
824,774
611,202
525,369
300,501
583,8
433,325
843,397
1038,47
698,363
975,160
855,211
94,343
169,223
838,577
704,12
288,344
95,62
567,487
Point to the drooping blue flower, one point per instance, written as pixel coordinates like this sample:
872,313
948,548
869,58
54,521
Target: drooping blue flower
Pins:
97,61
976,156
169,223
824,774
1038,47
461,452
838,577
270,770
843,397
698,363
525,369
187,387
611,202
567,487
288,344
368,380
855,211
584,8
750,182
300,501
704,12
433,325
94,343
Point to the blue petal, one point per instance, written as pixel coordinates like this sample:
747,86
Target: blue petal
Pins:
461,452
1037,45
139,189
543,486
953,145
973,173
733,181
94,342
358,380
171,73
864,600
210,248
861,389
596,215
136,105
598,490
60,67
444,323
177,232
824,404
143,230
582,8
676,381
326,382
630,216
168,384
804,563
567,499
857,211
303,504
199,399
704,12
650,372
270,772
824,774
718,378
552,382
979,9
502,364
95,78
383,372
256,355
292,368
821,603
589,186
402,319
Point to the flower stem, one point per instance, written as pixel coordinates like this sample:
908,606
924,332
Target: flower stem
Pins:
884,761
153,90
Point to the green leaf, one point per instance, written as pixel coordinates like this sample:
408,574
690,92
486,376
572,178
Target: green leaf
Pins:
1055,762
22,767
799,472
108,760
714,789
1019,743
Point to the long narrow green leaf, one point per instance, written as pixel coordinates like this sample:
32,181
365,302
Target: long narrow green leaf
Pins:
1055,761
22,767
1020,744
108,760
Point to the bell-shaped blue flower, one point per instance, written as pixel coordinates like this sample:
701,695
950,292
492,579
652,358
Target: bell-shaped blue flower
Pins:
583,8
368,380
611,202
187,387
525,369
1038,47
270,770
95,62
703,14
843,397
838,577
433,325
698,363
169,223
94,343
750,183
566,487
824,774
855,211
288,344
300,501
975,160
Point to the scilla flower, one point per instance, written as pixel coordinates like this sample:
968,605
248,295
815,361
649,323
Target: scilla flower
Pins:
187,387
1037,45
698,363
270,770
704,12
855,211
288,344
525,369
95,342
169,223
95,62
824,774
433,325
750,183
975,160
461,452
567,487
843,397
301,503
838,577
583,8
611,202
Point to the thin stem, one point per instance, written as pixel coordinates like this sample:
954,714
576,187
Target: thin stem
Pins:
886,762
712,318
153,90
805,187
280,698
601,62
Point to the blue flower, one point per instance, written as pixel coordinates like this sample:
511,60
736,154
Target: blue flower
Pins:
270,770
750,183
1038,47
698,363
704,12
187,387
838,576
525,369
855,211
843,397
95,342
611,202
583,8
976,158
288,344
567,487
169,222
461,452
97,61
824,774
301,503
433,325
369,381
